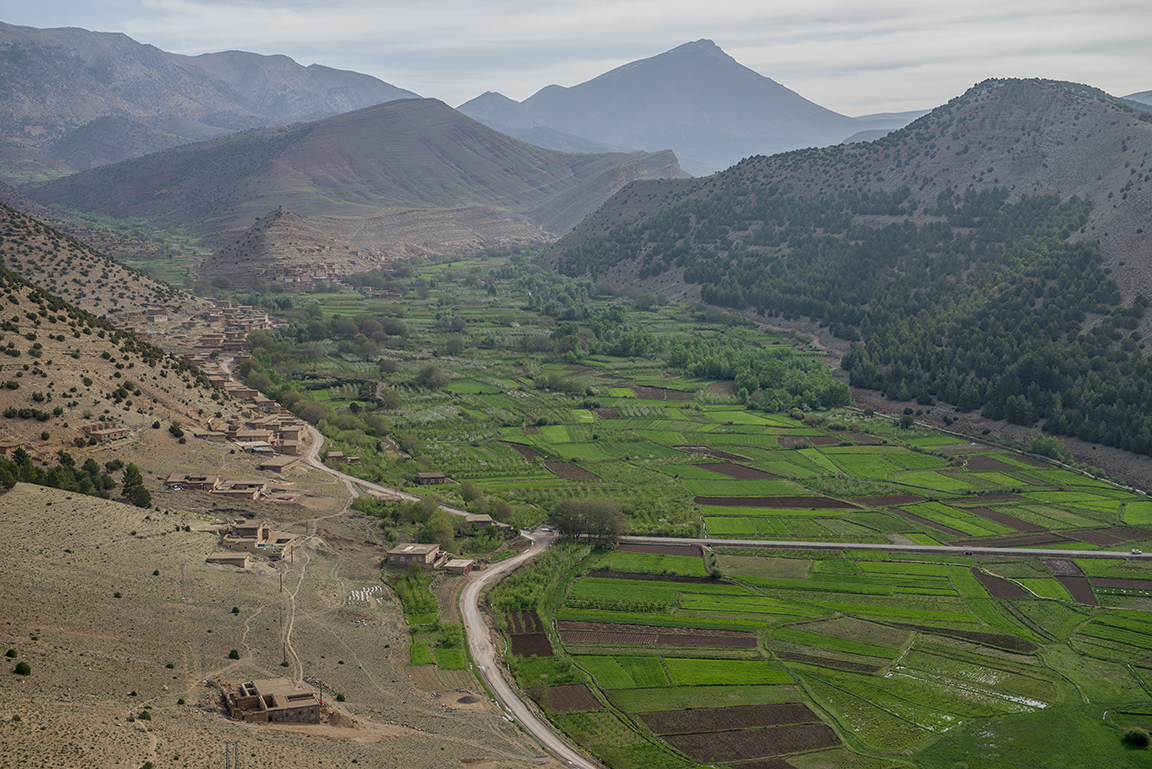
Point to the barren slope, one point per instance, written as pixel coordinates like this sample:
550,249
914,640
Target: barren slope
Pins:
415,153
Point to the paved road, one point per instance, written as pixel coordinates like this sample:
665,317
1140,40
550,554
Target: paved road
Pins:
947,549
485,658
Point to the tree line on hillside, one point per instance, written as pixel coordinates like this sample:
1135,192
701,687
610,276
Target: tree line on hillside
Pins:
86,478
989,304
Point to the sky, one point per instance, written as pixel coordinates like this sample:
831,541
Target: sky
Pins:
849,56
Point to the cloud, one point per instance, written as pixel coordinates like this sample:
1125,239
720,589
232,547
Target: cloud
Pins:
849,56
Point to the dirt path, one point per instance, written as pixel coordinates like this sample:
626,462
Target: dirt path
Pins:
484,655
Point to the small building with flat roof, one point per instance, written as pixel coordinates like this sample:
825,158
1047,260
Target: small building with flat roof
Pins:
405,554
427,479
459,566
280,464
272,700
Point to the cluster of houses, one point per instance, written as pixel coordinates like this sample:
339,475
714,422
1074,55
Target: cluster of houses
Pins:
224,327
245,538
404,555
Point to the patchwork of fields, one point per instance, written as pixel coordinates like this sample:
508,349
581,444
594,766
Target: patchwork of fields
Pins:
785,655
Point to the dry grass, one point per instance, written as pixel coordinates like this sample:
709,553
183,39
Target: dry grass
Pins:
97,659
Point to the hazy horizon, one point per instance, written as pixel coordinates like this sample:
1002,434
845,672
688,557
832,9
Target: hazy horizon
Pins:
886,56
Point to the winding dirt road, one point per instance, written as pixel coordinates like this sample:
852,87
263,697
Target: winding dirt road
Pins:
483,655
485,658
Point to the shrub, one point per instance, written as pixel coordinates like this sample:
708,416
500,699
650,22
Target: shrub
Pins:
11,653
1137,736
234,654
24,669
340,698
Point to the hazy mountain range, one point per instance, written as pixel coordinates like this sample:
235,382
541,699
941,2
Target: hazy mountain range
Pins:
80,99
695,99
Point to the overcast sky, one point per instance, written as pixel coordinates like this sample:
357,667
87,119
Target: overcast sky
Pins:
850,56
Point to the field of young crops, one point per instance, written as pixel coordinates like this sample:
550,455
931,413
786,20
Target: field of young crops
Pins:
888,652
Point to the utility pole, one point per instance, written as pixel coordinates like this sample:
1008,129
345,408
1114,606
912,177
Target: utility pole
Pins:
231,747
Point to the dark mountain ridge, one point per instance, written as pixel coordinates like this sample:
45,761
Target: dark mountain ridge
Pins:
991,256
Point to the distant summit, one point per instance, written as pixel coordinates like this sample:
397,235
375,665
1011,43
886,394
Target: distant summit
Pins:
695,100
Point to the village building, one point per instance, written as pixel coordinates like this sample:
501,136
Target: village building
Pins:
239,560
257,537
197,482
427,479
459,566
278,464
479,521
272,700
403,555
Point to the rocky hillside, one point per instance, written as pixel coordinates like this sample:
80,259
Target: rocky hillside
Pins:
65,373
79,274
74,99
289,251
1028,137
416,153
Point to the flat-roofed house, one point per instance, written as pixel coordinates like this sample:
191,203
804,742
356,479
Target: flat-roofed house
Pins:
279,464
272,700
427,479
198,482
403,555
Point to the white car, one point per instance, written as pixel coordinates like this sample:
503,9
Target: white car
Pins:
1137,552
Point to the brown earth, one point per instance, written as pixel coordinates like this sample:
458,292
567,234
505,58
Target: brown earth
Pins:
1093,537
997,587
531,645
988,463
812,503
724,719
661,639
723,747
739,472
894,499
521,622
1130,584
572,471
1080,589
523,451
711,452
828,662
572,698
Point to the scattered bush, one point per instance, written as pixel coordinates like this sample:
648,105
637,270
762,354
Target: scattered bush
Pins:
24,669
234,654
